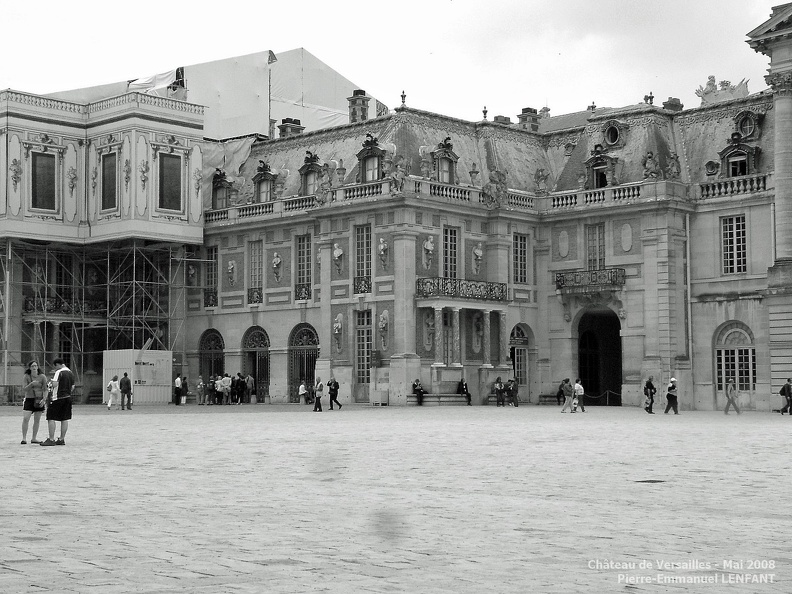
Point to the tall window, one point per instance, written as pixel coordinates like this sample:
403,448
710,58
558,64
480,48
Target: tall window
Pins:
256,261
363,251
733,244
211,267
109,181
264,191
43,181
311,183
303,259
444,168
595,246
449,252
372,169
735,357
363,346
520,256
170,182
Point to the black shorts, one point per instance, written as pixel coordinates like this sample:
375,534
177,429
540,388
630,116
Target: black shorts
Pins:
30,404
60,410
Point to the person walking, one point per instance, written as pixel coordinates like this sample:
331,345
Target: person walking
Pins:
786,392
332,389
579,394
318,392
185,390
250,388
462,388
500,392
649,392
113,391
560,393
34,389
126,391
569,395
671,397
302,392
60,409
200,388
731,396
419,392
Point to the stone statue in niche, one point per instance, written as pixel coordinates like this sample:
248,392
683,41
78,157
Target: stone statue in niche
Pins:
429,330
231,271
325,185
495,192
383,252
338,329
673,170
397,177
338,257
276,266
382,328
478,331
428,252
651,168
540,179
478,256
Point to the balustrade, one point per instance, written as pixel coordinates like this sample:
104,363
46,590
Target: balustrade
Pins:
255,295
464,289
361,284
583,281
733,186
302,291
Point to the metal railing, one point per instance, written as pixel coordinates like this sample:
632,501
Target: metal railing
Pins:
461,288
589,280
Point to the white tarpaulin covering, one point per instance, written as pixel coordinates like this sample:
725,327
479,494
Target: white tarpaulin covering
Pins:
228,156
151,83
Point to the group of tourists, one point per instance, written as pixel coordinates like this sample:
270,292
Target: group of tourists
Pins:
506,392
53,396
222,389
313,395
572,396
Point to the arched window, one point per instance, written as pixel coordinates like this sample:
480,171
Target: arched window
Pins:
211,353
735,357
256,359
309,174
444,162
738,158
370,160
303,352
264,181
518,346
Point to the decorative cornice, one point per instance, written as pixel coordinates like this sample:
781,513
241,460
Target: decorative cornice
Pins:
780,82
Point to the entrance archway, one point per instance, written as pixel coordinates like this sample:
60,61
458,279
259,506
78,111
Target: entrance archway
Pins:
303,353
600,356
519,341
211,354
256,361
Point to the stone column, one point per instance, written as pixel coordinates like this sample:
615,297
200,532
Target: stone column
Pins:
487,346
456,359
405,363
54,347
781,84
326,342
438,336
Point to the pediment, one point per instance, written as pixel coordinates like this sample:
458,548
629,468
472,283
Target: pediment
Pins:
779,25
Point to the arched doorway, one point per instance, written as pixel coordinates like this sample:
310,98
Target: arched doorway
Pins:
600,356
256,360
211,353
518,350
303,353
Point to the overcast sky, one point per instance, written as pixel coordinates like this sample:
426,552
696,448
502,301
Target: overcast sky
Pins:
449,56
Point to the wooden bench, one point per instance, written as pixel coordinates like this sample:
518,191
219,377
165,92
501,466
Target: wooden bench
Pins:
438,400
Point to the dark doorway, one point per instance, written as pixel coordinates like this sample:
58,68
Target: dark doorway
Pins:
600,357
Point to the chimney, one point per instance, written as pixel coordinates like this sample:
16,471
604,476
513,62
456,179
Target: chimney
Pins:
528,119
358,106
673,104
290,127
544,112
503,120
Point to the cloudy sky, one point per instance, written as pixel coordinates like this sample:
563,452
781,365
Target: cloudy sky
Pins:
449,56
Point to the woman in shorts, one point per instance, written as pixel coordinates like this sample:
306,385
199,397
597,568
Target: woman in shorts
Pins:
34,388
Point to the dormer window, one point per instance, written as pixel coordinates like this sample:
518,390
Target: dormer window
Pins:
444,162
264,181
738,164
612,135
222,189
370,160
600,169
309,174
738,158
600,174
748,124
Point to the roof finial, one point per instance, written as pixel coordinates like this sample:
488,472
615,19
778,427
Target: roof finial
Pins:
484,111
403,98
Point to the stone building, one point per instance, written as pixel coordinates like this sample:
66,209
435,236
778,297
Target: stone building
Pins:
609,244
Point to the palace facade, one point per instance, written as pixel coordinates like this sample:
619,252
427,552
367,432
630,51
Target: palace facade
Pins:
610,244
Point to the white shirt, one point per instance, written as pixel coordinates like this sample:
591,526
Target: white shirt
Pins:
579,391
177,383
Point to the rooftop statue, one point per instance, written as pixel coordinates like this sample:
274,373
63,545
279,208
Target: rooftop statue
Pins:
711,93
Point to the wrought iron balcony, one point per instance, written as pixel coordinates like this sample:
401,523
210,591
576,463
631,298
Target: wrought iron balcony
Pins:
210,297
362,284
464,289
302,291
590,281
255,295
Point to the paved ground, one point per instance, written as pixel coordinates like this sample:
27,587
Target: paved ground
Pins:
454,499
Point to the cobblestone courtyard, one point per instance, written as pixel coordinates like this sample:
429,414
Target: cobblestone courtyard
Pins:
453,499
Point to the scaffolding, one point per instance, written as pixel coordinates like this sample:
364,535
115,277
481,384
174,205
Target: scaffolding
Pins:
75,301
